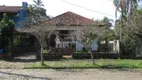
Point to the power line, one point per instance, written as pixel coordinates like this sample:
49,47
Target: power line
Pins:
86,8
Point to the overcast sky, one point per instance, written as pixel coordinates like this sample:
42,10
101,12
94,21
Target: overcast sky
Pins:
97,9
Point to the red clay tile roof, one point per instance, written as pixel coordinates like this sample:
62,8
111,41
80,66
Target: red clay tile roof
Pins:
72,19
10,8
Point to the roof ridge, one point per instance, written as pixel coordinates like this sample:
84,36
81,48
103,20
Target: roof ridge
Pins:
9,6
73,13
71,18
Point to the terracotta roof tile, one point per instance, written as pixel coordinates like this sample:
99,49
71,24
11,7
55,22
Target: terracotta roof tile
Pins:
10,8
70,18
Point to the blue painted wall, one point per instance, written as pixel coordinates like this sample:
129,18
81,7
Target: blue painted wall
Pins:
22,14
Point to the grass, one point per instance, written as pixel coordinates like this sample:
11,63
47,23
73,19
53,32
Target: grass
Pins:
86,63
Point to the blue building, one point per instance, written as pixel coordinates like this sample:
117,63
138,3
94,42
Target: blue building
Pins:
15,13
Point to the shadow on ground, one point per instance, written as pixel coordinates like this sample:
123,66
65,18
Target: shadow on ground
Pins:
24,60
25,76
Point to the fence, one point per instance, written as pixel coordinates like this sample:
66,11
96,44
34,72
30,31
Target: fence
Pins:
109,46
103,46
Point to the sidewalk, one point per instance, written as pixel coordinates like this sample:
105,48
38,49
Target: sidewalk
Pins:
68,74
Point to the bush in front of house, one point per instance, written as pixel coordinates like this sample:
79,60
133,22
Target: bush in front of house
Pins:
81,55
106,55
97,55
50,55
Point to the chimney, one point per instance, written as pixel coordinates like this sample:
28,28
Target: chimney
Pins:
24,4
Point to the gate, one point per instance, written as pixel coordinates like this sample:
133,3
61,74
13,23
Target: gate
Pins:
66,47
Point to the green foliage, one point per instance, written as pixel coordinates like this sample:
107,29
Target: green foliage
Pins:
131,32
6,30
107,22
45,52
5,18
6,26
126,7
80,52
129,24
4,21
108,34
116,2
38,3
37,9
33,11
16,41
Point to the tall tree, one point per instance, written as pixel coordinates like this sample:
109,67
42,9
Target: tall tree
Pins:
38,7
7,29
108,34
125,7
133,34
40,29
107,22
86,35
36,25
38,3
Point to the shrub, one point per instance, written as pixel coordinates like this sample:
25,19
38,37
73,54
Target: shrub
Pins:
45,52
80,52
16,41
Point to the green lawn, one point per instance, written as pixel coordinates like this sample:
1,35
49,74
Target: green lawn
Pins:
86,63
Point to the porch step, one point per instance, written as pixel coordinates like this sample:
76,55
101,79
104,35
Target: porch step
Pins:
67,57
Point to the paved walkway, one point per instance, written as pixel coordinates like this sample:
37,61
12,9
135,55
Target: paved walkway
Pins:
66,74
18,62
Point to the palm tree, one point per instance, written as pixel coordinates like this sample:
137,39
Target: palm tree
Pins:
107,22
122,7
38,13
32,10
39,7
38,3
126,7
108,32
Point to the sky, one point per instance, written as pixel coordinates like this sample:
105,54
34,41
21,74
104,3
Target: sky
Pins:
140,4
57,7
93,9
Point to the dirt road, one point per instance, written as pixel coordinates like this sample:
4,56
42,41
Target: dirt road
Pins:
68,74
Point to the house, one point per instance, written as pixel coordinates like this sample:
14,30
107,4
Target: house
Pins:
67,23
15,13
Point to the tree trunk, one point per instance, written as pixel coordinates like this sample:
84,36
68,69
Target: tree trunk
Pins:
11,47
106,47
90,52
41,54
92,57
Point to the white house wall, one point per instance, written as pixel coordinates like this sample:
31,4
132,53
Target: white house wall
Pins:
80,46
114,45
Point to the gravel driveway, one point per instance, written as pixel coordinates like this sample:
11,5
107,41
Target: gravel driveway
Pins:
69,74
